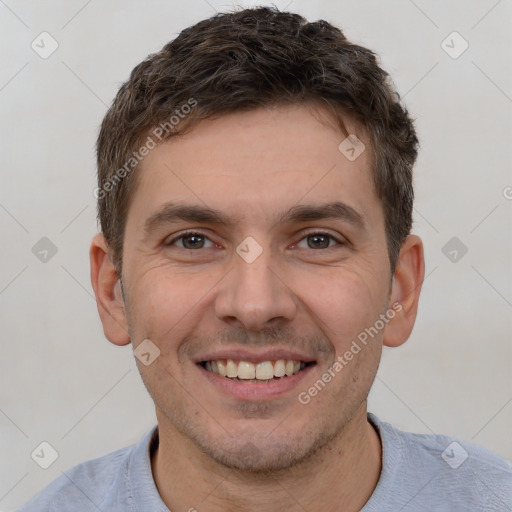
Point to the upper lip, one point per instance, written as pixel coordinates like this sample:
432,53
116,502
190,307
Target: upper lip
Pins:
255,357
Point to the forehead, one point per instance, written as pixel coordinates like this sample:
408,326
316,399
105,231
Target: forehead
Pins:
257,163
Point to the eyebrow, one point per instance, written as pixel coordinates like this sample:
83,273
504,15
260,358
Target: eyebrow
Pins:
172,212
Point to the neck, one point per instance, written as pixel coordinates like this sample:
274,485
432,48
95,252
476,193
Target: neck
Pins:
343,475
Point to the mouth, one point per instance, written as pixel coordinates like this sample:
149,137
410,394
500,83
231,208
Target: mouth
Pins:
256,372
252,376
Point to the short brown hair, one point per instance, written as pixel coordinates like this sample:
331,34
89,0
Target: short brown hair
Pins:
244,60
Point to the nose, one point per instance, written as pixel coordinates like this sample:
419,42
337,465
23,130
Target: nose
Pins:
255,295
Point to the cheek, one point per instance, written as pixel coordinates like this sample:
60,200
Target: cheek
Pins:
344,305
164,303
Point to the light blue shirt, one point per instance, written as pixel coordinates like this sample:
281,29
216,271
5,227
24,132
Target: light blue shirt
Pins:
420,473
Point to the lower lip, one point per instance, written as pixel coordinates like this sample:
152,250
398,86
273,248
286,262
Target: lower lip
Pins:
255,391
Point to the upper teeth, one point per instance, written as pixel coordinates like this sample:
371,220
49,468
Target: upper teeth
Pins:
261,371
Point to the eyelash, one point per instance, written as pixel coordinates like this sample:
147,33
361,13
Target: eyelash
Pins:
309,233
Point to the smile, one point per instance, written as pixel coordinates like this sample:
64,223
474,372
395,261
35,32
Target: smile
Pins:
264,371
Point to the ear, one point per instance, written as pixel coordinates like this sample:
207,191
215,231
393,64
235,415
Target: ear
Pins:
107,288
405,291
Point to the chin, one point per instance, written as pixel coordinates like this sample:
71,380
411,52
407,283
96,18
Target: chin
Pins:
264,454
248,458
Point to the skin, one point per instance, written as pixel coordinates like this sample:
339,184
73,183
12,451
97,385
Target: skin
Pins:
217,452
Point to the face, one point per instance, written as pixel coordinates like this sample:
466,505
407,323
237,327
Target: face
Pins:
254,247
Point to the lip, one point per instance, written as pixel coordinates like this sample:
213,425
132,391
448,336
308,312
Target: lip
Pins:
255,391
254,357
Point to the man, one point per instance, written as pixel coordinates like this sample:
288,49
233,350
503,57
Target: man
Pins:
255,199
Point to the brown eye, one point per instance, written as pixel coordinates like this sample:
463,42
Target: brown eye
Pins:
190,241
319,241
193,241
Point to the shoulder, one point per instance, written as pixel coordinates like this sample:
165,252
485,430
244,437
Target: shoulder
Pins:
445,473
83,487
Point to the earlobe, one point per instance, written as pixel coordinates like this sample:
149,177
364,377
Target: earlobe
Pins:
107,289
405,291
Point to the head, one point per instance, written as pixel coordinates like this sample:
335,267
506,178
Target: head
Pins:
284,152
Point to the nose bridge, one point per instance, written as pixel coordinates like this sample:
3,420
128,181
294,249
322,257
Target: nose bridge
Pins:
254,293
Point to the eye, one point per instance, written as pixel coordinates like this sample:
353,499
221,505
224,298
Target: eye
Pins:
195,240
190,240
319,240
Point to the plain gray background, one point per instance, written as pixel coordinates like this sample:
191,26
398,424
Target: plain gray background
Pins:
63,383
